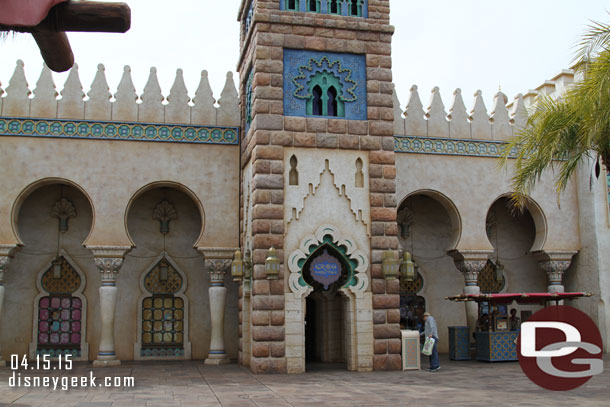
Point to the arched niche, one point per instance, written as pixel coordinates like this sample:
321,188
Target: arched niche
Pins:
59,325
447,204
172,185
37,185
533,209
163,313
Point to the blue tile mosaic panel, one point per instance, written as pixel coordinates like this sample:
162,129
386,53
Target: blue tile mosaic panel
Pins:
352,8
98,130
446,146
496,346
301,66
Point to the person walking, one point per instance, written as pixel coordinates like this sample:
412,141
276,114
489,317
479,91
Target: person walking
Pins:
431,331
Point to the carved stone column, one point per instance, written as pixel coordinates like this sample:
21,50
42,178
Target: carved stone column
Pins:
554,264
6,252
470,263
217,262
108,261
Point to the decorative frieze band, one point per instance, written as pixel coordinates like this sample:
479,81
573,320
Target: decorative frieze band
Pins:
451,146
101,130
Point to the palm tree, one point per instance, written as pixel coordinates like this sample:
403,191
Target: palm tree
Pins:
560,133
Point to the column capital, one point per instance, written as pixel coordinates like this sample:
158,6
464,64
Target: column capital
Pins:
217,269
554,264
470,263
108,260
6,254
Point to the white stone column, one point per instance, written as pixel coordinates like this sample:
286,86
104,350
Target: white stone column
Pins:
108,261
217,261
470,263
218,294
6,252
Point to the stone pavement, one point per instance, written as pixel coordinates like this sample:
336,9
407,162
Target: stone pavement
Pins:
189,383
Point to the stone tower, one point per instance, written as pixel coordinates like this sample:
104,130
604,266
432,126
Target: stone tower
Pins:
318,185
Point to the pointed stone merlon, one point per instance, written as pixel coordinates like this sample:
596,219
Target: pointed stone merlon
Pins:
16,99
435,122
228,111
553,88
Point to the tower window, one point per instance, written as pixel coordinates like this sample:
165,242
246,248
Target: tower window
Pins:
355,8
292,5
332,101
325,99
334,7
317,101
313,5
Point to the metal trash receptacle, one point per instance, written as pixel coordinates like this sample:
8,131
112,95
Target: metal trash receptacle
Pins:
411,359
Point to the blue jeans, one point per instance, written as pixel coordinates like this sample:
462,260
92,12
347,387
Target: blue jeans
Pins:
434,363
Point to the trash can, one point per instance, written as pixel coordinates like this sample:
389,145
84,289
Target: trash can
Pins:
459,343
411,359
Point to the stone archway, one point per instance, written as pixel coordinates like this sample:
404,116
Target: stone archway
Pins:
356,311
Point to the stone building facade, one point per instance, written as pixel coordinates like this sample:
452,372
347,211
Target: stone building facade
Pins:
121,213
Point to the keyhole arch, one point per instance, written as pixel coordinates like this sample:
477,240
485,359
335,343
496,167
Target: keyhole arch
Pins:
359,178
293,175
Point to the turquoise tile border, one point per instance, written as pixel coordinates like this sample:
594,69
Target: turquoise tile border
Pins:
99,130
446,146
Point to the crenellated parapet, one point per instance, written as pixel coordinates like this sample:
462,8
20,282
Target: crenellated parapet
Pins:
503,122
125,105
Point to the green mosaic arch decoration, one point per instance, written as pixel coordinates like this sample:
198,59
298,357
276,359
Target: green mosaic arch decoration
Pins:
328,235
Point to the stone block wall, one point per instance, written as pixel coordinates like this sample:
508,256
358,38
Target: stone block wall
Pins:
270,31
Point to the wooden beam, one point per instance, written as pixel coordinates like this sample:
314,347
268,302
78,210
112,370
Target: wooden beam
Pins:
88,16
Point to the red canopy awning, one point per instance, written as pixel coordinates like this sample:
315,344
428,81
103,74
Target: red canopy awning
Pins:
521,298
25,13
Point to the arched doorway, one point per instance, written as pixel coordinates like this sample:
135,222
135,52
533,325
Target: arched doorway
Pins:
326,270
329,317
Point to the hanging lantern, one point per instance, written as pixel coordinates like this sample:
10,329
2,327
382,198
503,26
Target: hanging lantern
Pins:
407,267
163,269
272,265
389,265
237,267
56,268
499,272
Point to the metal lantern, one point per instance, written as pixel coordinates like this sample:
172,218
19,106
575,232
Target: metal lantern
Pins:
272,265
163,269
499,271
389,265
56,268
237,266
407,267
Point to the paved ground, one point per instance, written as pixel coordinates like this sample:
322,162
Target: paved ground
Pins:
171,384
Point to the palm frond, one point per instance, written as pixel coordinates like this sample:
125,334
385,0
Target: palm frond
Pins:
595,39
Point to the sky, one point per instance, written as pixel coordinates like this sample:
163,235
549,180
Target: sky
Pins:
469,44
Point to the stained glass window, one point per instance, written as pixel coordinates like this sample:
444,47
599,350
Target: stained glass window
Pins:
162,321
60,313
163,316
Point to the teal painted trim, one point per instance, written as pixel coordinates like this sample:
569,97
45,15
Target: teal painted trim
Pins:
130,131
447,146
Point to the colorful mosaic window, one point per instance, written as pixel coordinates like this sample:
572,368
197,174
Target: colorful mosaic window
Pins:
162,322
249,17
324,84
59,313
488,281
163,312
351,8
59,325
